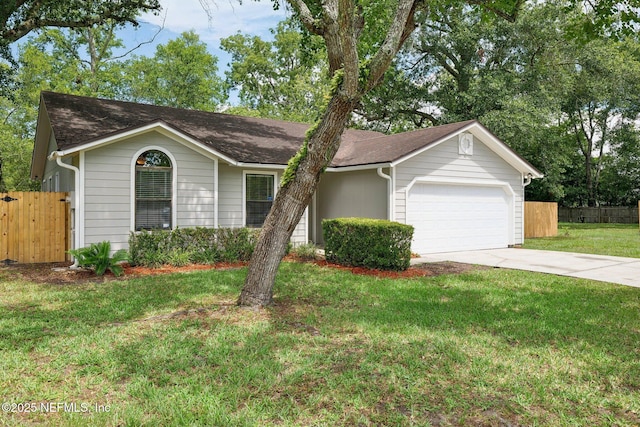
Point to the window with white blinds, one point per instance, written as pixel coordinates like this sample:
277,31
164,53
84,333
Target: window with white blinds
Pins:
153,191
259,198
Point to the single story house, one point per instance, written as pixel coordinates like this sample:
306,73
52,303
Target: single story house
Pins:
133,166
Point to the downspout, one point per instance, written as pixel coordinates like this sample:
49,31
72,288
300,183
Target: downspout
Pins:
527,181
76,173
390,193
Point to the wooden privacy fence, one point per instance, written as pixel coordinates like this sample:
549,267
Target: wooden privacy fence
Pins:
540,219
34,227
602,214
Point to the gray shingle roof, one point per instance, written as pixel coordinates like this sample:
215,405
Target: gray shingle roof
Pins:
388,148
78,120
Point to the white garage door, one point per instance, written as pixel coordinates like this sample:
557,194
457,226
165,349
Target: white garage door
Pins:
457,217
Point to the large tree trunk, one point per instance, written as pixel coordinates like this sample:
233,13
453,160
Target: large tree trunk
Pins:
340,24
291,201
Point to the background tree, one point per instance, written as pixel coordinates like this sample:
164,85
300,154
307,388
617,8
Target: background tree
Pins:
513,77
16,145
600,97
463,64
620,179
181,74
285,78
17,19
78,61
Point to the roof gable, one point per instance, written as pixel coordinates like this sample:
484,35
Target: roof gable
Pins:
390,148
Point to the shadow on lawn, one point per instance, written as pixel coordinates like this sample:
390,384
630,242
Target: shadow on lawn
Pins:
331,336
535,310
545,309
71,310
343,339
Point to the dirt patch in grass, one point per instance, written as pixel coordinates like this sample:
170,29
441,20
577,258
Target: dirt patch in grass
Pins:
61,274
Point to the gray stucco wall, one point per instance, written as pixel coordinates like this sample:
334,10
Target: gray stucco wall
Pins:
443,161
350,194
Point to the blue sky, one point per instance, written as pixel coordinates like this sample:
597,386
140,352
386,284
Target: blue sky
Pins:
226,18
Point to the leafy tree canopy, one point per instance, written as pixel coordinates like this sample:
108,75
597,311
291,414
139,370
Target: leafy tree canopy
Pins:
285,78
182,74
19,17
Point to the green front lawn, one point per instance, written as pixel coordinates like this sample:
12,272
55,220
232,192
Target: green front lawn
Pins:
601,239
490,347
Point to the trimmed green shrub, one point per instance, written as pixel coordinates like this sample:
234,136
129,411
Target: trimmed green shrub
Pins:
365,242
306,252
98,257
149,248
184,246
237,244
179,258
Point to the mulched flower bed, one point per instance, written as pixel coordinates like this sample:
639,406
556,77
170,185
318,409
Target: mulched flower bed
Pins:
59,273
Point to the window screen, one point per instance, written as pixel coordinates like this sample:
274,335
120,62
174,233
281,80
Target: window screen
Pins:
153,191
259,198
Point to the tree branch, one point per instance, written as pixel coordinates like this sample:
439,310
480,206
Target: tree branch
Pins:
91,14
347,44
400,29
139,45
313,25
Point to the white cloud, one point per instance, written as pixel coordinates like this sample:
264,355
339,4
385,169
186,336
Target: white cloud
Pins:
225,17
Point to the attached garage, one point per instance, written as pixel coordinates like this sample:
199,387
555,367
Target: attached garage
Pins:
458,185
456,216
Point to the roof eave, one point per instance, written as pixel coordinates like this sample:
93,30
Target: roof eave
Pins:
352,168
41,142
157,126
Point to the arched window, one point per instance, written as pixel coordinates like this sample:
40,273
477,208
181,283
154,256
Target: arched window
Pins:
153,191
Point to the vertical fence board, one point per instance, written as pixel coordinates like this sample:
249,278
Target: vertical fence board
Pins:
34,227
602,214
540,219
4,229
15,228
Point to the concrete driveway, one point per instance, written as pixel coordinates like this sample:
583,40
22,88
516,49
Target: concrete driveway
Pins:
624,271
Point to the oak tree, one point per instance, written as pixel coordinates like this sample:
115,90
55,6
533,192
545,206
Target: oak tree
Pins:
361,38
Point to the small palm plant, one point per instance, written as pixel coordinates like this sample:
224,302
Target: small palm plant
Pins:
98,256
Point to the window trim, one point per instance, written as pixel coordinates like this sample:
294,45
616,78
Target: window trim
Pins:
174,184
244,189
